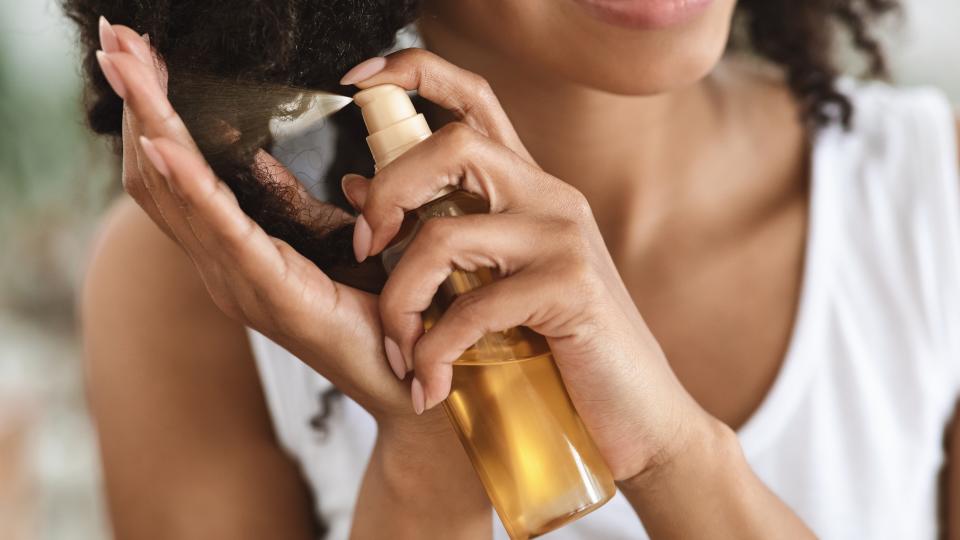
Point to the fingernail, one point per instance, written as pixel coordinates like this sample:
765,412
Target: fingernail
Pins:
362,238
364,70
154,156
395,357
108,38
343,187
416,395
145,37
112,75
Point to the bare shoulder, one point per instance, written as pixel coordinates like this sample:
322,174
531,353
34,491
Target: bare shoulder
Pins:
176,398
135,269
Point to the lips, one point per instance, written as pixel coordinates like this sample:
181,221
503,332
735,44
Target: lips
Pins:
645,14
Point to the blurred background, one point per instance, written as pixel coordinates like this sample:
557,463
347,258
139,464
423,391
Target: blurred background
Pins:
55,179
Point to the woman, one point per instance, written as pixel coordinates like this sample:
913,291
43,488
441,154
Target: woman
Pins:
747,279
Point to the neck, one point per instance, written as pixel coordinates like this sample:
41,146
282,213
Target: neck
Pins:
594,140
717,156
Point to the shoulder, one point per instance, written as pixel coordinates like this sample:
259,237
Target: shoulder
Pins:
142,295
176,397
135,269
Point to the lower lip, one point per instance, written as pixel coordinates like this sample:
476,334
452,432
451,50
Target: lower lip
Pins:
645,14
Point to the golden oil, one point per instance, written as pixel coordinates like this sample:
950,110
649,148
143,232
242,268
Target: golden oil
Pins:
507,403
534,456
510,408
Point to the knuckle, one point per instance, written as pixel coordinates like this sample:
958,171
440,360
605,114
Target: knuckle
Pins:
468,308
459,135
577,203
435,233
390,303
481,88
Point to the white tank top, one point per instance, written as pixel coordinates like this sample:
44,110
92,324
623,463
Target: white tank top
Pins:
851,434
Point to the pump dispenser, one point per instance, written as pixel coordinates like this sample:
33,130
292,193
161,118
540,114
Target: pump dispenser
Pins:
507,403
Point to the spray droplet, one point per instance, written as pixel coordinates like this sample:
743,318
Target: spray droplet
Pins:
316,106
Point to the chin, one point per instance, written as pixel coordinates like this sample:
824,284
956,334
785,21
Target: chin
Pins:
627,47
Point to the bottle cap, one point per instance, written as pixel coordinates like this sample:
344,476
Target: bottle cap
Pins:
392,122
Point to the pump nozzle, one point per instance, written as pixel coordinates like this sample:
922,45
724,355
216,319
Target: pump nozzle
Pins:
392,122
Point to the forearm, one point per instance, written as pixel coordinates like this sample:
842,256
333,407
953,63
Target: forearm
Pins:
709,491
421,489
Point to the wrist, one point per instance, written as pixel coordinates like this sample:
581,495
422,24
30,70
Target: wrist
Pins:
419,484
708,453
421,458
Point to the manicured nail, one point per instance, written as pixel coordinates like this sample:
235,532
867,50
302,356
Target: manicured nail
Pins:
109,41
154,156
145,37
112,75
364,70
362,238
395,357
416,395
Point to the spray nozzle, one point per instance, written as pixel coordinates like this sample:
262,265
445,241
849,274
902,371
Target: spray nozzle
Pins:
392,122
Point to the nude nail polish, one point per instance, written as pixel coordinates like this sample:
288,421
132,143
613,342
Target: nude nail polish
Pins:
364,70
154,156
362,238
113,76
395,357
109,42
416,396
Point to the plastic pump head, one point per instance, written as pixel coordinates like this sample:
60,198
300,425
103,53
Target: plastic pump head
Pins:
394,126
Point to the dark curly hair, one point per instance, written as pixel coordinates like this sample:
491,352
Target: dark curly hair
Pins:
311,43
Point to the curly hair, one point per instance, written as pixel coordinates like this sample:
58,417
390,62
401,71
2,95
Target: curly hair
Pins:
311,43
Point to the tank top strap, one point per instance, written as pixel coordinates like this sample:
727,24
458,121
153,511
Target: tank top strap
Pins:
889,197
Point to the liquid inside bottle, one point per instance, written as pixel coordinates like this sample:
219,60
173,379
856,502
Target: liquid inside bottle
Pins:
511,410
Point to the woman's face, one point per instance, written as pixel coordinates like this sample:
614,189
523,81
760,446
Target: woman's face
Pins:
633,47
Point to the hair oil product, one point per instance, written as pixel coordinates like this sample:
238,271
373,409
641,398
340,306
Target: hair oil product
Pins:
508,404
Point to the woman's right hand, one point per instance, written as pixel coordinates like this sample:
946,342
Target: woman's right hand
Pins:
257,280
418,480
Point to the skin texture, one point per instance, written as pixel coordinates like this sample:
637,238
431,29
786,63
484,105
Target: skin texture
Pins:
682,250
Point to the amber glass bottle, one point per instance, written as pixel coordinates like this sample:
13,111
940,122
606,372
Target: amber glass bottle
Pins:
508,403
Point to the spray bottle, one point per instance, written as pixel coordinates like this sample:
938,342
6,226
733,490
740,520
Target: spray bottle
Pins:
507,403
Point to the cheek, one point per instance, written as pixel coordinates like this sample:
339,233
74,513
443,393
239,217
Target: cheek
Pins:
559,40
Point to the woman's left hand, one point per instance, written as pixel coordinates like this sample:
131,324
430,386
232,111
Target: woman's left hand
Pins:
558,277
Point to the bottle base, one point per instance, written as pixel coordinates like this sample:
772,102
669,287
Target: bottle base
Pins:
555,524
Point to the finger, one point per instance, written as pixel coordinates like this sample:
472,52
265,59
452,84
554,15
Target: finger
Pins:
129,41
521,300
462,92
319,215
240,241
143,99
494,245
140,85
455,156
355,188
133,182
